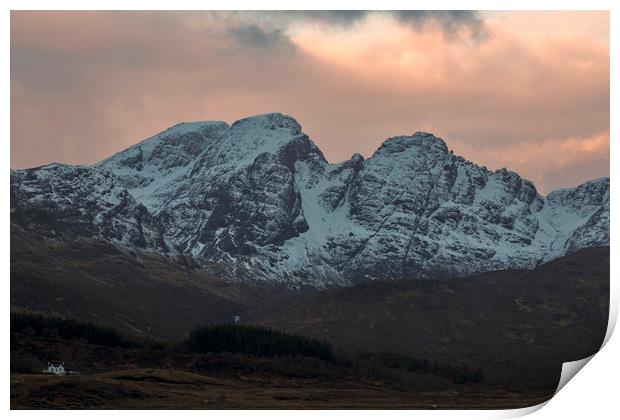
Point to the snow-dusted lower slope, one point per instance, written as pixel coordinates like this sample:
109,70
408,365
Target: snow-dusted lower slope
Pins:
257,201
60,200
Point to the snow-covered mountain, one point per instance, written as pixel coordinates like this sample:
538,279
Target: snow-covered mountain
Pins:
257,201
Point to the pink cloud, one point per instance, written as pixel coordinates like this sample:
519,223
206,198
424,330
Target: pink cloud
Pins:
546,159
538,82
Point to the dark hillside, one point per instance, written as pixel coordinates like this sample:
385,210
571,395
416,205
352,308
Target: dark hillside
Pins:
139,293
518,326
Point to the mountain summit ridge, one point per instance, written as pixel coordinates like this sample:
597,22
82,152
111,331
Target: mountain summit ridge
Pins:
258,201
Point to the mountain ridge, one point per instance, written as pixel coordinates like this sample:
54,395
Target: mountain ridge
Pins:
259,198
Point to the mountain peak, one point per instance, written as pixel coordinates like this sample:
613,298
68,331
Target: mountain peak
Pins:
172,148
273,133
418,142
191,127
270,121
430,140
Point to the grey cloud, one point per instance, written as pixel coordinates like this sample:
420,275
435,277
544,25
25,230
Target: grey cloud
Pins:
334,17
253,36
267,30
449,21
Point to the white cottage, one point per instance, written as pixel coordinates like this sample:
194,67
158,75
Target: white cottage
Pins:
58,369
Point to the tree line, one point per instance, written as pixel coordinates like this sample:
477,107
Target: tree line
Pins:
259,341
460,374
50,326
231,338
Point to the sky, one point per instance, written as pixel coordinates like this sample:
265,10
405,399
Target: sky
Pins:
528,91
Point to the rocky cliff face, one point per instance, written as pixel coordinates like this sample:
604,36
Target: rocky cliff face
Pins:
257,201
60,201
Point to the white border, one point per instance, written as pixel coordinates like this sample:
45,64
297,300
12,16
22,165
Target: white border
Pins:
593,394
